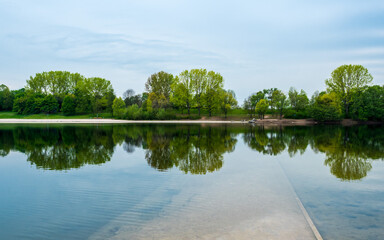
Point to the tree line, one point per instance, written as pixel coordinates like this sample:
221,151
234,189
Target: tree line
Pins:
348,95
192,89
59,91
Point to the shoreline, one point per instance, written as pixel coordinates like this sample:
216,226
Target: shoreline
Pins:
267,122
302,122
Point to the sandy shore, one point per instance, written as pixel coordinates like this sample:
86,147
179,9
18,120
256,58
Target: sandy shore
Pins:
109,121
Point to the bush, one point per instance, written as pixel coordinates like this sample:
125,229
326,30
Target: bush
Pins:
69,105
49,104
19,105
132,112
164,115
118,107
369,104
292,114
33,104
326,108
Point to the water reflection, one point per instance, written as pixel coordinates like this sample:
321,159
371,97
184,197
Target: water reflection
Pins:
191,148
348,151
196,149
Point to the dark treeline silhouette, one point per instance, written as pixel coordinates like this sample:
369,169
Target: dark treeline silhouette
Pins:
195,149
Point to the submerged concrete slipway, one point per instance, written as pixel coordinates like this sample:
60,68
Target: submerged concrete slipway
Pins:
190,181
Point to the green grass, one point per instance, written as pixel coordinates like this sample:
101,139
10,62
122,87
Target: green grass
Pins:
52,116
235,114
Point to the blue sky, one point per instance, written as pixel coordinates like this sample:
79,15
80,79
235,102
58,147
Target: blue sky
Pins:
254,45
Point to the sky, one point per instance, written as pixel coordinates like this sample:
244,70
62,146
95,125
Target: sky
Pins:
254,45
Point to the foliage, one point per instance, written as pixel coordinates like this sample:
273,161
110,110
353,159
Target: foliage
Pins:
261,108
347,79
197,90
227,101
118,108
92,94
292,114
182,91
368,104
279,100
30,103
69,105
130,98
213,90
57,83
84,100
159,85
49,104
326,107
199,83
6,98
157,101
298,101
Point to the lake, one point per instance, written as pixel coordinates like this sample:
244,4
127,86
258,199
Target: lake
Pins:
190,181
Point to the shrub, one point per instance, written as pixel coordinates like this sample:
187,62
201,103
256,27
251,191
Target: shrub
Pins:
49,104
118,107
326,108
69,105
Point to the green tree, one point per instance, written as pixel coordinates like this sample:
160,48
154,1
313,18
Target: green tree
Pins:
347,79
130,98
118,107
6,98
279,100
298,101
213,88
368,104
199,83
182,91
160,84
247,106
228,101
57,83
149,105
31,103
101,93
261,108
83,96
49,104
251,101
69,105
325,107
39,83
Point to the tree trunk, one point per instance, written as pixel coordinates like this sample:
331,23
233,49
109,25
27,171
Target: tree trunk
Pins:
347,110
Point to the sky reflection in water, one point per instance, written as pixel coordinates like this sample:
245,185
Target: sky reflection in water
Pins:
99,170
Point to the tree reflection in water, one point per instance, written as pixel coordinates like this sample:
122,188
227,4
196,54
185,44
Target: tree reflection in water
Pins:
348,150
194,149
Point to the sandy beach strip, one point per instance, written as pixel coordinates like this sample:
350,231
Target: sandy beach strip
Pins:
107,121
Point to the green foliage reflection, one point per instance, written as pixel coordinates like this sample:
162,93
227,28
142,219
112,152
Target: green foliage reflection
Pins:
348,151
195,149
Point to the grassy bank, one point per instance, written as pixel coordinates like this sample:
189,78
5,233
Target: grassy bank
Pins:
235,114
4,115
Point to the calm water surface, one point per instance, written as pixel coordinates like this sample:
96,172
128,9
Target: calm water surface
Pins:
89,181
